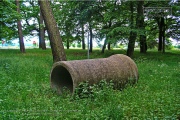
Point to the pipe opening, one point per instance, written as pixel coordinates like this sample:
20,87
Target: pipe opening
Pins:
61,80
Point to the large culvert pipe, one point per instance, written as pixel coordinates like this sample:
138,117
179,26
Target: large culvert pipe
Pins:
119,68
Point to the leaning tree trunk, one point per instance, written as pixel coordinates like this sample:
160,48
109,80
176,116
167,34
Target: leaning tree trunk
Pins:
21,41
132,37
42,43
57,47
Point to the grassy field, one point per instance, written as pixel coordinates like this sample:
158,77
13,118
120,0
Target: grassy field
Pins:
25,91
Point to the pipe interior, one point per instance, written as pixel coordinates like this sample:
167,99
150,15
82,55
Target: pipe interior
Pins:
61,79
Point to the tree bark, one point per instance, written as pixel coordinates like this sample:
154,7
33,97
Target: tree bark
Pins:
21,41
158,19
90,41
161,25
163,35
42,43
104,46
132,37
109,46
141,26
83,41
67,43
143,44
57,47
160,37
105,41
163,39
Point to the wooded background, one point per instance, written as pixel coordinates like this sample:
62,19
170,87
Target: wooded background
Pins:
150,23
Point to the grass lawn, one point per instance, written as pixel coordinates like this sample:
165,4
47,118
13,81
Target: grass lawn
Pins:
25,91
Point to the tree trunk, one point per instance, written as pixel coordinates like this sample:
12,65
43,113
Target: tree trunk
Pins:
160,39
104,46
143,44
163,35
105,41
90,41
57,47
39,34
21,41
67,43
161,25
140,25
132,37
42,43
83,41
109,46
160,34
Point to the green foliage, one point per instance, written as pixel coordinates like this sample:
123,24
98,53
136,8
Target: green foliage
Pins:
178,46
30,14
169,45
74,45
108,20
174,22
79,45
8,18
152,44
26,93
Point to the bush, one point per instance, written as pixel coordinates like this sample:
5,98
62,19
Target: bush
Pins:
169,47
73,45
85,90
178,46
79,45
152,44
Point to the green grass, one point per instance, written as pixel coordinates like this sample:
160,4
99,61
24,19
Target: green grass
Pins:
25,91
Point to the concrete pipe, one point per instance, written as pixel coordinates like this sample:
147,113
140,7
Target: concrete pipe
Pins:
119,68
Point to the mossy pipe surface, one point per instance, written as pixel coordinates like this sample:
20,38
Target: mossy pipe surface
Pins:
118,68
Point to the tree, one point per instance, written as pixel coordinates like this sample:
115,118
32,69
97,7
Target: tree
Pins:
160,12
115,23
77,15
8,22
42,43
67,21
86,15
82,37
105,41
21,41
133,33
53,32
161,26
107,20
33,25
173,23
141,26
